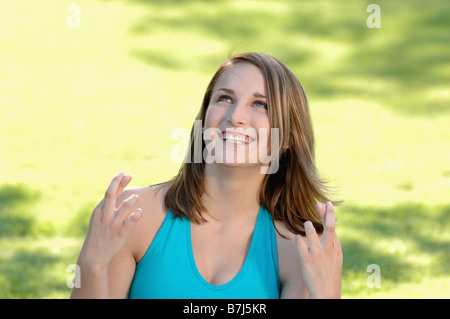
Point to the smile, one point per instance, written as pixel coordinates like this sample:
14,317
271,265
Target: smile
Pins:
235,138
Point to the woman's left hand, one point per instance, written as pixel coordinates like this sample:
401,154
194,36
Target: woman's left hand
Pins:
321,256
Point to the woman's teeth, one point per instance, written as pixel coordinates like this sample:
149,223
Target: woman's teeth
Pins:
237,139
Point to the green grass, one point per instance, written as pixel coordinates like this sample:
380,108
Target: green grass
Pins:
79,105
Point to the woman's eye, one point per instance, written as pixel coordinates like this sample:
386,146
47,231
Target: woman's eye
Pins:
260,104
225,98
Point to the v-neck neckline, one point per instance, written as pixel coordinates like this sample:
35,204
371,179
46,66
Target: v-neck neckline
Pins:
244,267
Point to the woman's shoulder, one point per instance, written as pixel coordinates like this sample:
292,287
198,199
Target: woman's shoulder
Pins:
289,263
287,250
148,195
151,201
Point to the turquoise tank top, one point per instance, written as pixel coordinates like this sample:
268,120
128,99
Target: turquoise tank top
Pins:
168,270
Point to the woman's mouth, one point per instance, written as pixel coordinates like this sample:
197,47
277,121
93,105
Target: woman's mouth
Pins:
235,138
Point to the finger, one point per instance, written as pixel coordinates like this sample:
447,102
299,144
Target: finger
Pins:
126,207
99,206
131,221
123,183
96,213
301,245
109,203
311,237
330,225
321,211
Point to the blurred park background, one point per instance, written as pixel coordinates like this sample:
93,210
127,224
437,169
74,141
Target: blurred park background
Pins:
78,103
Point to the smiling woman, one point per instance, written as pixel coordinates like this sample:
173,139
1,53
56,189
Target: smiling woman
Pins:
223,229
285,111
236,106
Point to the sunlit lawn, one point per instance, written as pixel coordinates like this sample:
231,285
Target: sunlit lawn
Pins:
79,105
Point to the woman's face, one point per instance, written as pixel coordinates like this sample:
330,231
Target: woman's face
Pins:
237,123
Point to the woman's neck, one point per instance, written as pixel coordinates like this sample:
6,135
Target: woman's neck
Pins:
232,193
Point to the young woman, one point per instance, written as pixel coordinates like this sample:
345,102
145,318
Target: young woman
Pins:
231,224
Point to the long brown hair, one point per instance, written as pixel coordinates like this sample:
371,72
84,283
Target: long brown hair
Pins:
290,194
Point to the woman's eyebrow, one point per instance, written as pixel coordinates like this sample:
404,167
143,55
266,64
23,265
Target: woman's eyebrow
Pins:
259,95
226,90
230,91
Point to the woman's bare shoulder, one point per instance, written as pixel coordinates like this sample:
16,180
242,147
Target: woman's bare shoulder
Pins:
287,250
151,201
151,198
289,269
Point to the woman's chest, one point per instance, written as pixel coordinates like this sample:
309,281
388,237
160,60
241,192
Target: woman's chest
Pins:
219,254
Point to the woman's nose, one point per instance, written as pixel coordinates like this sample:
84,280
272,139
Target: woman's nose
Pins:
238,114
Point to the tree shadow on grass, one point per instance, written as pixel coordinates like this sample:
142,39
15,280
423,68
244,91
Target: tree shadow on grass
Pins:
408,241
80,222
407,54
24,272
27,276
16,210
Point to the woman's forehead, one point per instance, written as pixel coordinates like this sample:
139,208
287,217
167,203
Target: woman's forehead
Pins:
241,76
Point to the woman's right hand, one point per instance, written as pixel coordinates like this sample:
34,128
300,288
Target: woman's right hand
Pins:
110,226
